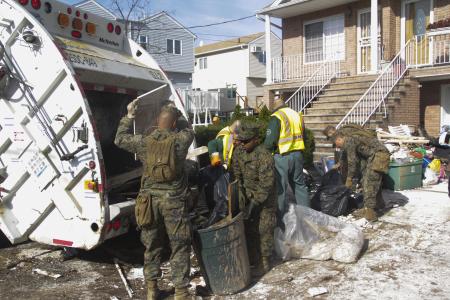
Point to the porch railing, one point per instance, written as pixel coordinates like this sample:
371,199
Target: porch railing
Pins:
200,104
297,67
309,90
373,99
430,50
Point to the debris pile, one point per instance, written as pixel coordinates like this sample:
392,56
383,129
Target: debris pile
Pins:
406,148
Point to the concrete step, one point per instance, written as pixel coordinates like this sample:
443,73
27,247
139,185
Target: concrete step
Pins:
324,148
323,124
357,78
336,117
343,91
349,97
350,85
330,117
332,104
325,110
318,155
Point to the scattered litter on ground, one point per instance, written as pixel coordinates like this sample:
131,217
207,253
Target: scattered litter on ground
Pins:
124,280
403,258
316,291
136,274
313,235
45,273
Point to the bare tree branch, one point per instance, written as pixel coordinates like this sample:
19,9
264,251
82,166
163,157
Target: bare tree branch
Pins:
130,11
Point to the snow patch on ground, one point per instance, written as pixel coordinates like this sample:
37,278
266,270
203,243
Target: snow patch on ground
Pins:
406,257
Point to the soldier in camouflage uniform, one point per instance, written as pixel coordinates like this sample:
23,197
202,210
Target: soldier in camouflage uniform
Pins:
375,158
341,156
254,168
167,201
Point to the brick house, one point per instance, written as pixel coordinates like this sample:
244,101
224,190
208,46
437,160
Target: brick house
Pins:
328,69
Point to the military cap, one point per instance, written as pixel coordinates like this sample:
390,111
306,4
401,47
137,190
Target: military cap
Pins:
247,131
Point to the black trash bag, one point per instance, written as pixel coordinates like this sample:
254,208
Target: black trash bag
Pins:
216,180
332,197
355,201
334,200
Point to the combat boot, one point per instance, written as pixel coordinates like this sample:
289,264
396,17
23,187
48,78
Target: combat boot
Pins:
182,294
370,215
152,290
367,213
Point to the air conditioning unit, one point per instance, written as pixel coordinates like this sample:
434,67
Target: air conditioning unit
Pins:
255,49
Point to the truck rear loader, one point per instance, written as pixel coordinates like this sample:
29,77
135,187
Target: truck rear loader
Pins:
66,77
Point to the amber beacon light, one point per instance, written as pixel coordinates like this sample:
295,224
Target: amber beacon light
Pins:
90,28
63,20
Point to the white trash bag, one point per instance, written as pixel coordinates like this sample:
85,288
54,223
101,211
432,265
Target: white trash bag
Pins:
313,235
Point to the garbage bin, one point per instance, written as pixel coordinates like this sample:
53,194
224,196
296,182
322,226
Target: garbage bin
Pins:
222,251
404,176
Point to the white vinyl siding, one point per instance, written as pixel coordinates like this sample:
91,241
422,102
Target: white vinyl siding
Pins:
324,39
155,29
203,63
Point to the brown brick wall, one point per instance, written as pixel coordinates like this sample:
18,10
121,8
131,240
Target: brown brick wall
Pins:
441,9
390,27
430,106
407,109
391,18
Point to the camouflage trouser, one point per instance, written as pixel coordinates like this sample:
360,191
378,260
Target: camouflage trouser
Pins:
259,230
170,220
371,183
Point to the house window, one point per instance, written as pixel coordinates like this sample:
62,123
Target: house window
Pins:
231,91
325,39
174,46
203,63
143,41
262,57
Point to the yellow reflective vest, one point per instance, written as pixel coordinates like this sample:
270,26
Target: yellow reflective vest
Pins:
227,140
291,133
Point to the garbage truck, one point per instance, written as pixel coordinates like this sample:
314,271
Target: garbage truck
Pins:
66,77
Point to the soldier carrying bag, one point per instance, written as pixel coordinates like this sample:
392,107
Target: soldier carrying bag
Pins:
160,163
380,162
143,209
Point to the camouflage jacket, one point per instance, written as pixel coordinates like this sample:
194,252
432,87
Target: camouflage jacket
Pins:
255,172
360,148
355,129
137,144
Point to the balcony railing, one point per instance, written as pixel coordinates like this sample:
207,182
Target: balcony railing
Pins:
299,67
432,49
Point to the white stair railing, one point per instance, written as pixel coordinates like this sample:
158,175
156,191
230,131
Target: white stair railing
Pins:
314,85
373,99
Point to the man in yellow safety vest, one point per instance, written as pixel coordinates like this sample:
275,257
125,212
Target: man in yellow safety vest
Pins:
284,138
221,148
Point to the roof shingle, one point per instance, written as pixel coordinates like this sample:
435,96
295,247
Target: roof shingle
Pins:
243,40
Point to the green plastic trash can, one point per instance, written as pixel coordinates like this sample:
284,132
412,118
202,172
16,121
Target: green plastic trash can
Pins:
404,176
222,250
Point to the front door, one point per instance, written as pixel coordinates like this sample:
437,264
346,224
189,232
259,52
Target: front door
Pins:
417,18
364,40
445,105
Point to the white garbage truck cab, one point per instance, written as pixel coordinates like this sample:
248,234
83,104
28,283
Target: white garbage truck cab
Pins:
66,77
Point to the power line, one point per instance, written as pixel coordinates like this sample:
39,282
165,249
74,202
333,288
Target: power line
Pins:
211,34
203,26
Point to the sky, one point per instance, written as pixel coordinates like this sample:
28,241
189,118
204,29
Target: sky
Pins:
200,12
